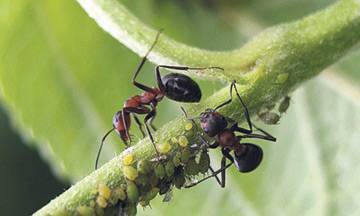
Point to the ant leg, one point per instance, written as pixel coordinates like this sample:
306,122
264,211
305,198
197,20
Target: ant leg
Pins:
246,111
229,100
216,177
140,126
137,84
181,68
151,122
134,110
101,145
265,135
150,115
222,169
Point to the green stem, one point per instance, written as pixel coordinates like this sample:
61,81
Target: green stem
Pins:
268,67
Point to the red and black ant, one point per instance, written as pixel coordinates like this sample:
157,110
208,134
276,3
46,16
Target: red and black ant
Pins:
247,156
175,86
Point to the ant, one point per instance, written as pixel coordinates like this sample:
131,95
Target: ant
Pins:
175,86
247,156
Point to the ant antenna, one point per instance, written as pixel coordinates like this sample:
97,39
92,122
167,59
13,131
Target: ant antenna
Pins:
101,145
187,117
155,41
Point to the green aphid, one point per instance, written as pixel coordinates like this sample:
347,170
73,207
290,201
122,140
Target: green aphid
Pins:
191,167
179,179
160,171
85,211
143,167
169,168
284,104
62,212
132,192
153,179
99,211
204,162
130,210
177,159
144,203
185,155
269,118
164,187
150,194
141,180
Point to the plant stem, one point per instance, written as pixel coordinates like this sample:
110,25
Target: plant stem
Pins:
268,67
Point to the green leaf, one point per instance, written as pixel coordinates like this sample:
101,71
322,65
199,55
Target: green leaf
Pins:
52,81
311,170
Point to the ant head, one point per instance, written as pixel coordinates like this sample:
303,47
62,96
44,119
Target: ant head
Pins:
181,88
212,122
247,157
119,122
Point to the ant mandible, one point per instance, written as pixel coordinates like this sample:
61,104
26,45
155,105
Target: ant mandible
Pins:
247,156
175,86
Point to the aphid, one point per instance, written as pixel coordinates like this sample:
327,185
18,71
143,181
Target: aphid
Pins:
246,156
191,167
269,118
204,162
130,172
132,192
104,191
168,196
183,141
284,105
175,86
101,201
85,211
143,167
169,168
159,171
179,179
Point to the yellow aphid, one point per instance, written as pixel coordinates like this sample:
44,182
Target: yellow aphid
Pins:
128,159
104,191
183,141
281,78
174,140
164,148
188,126
101,201
130,172
85,211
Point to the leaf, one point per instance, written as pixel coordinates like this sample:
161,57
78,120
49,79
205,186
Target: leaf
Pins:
51,81
312,169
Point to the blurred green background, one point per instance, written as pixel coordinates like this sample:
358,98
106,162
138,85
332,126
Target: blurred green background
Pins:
62,78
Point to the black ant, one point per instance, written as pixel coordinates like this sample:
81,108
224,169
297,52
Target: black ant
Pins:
247,156
175,86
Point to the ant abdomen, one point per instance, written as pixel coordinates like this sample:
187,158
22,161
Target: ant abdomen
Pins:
247,157
182,88
119,126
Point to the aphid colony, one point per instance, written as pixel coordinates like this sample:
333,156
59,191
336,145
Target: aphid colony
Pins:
269,115
178,163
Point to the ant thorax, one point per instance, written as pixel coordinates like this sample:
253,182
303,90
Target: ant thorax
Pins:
226,139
